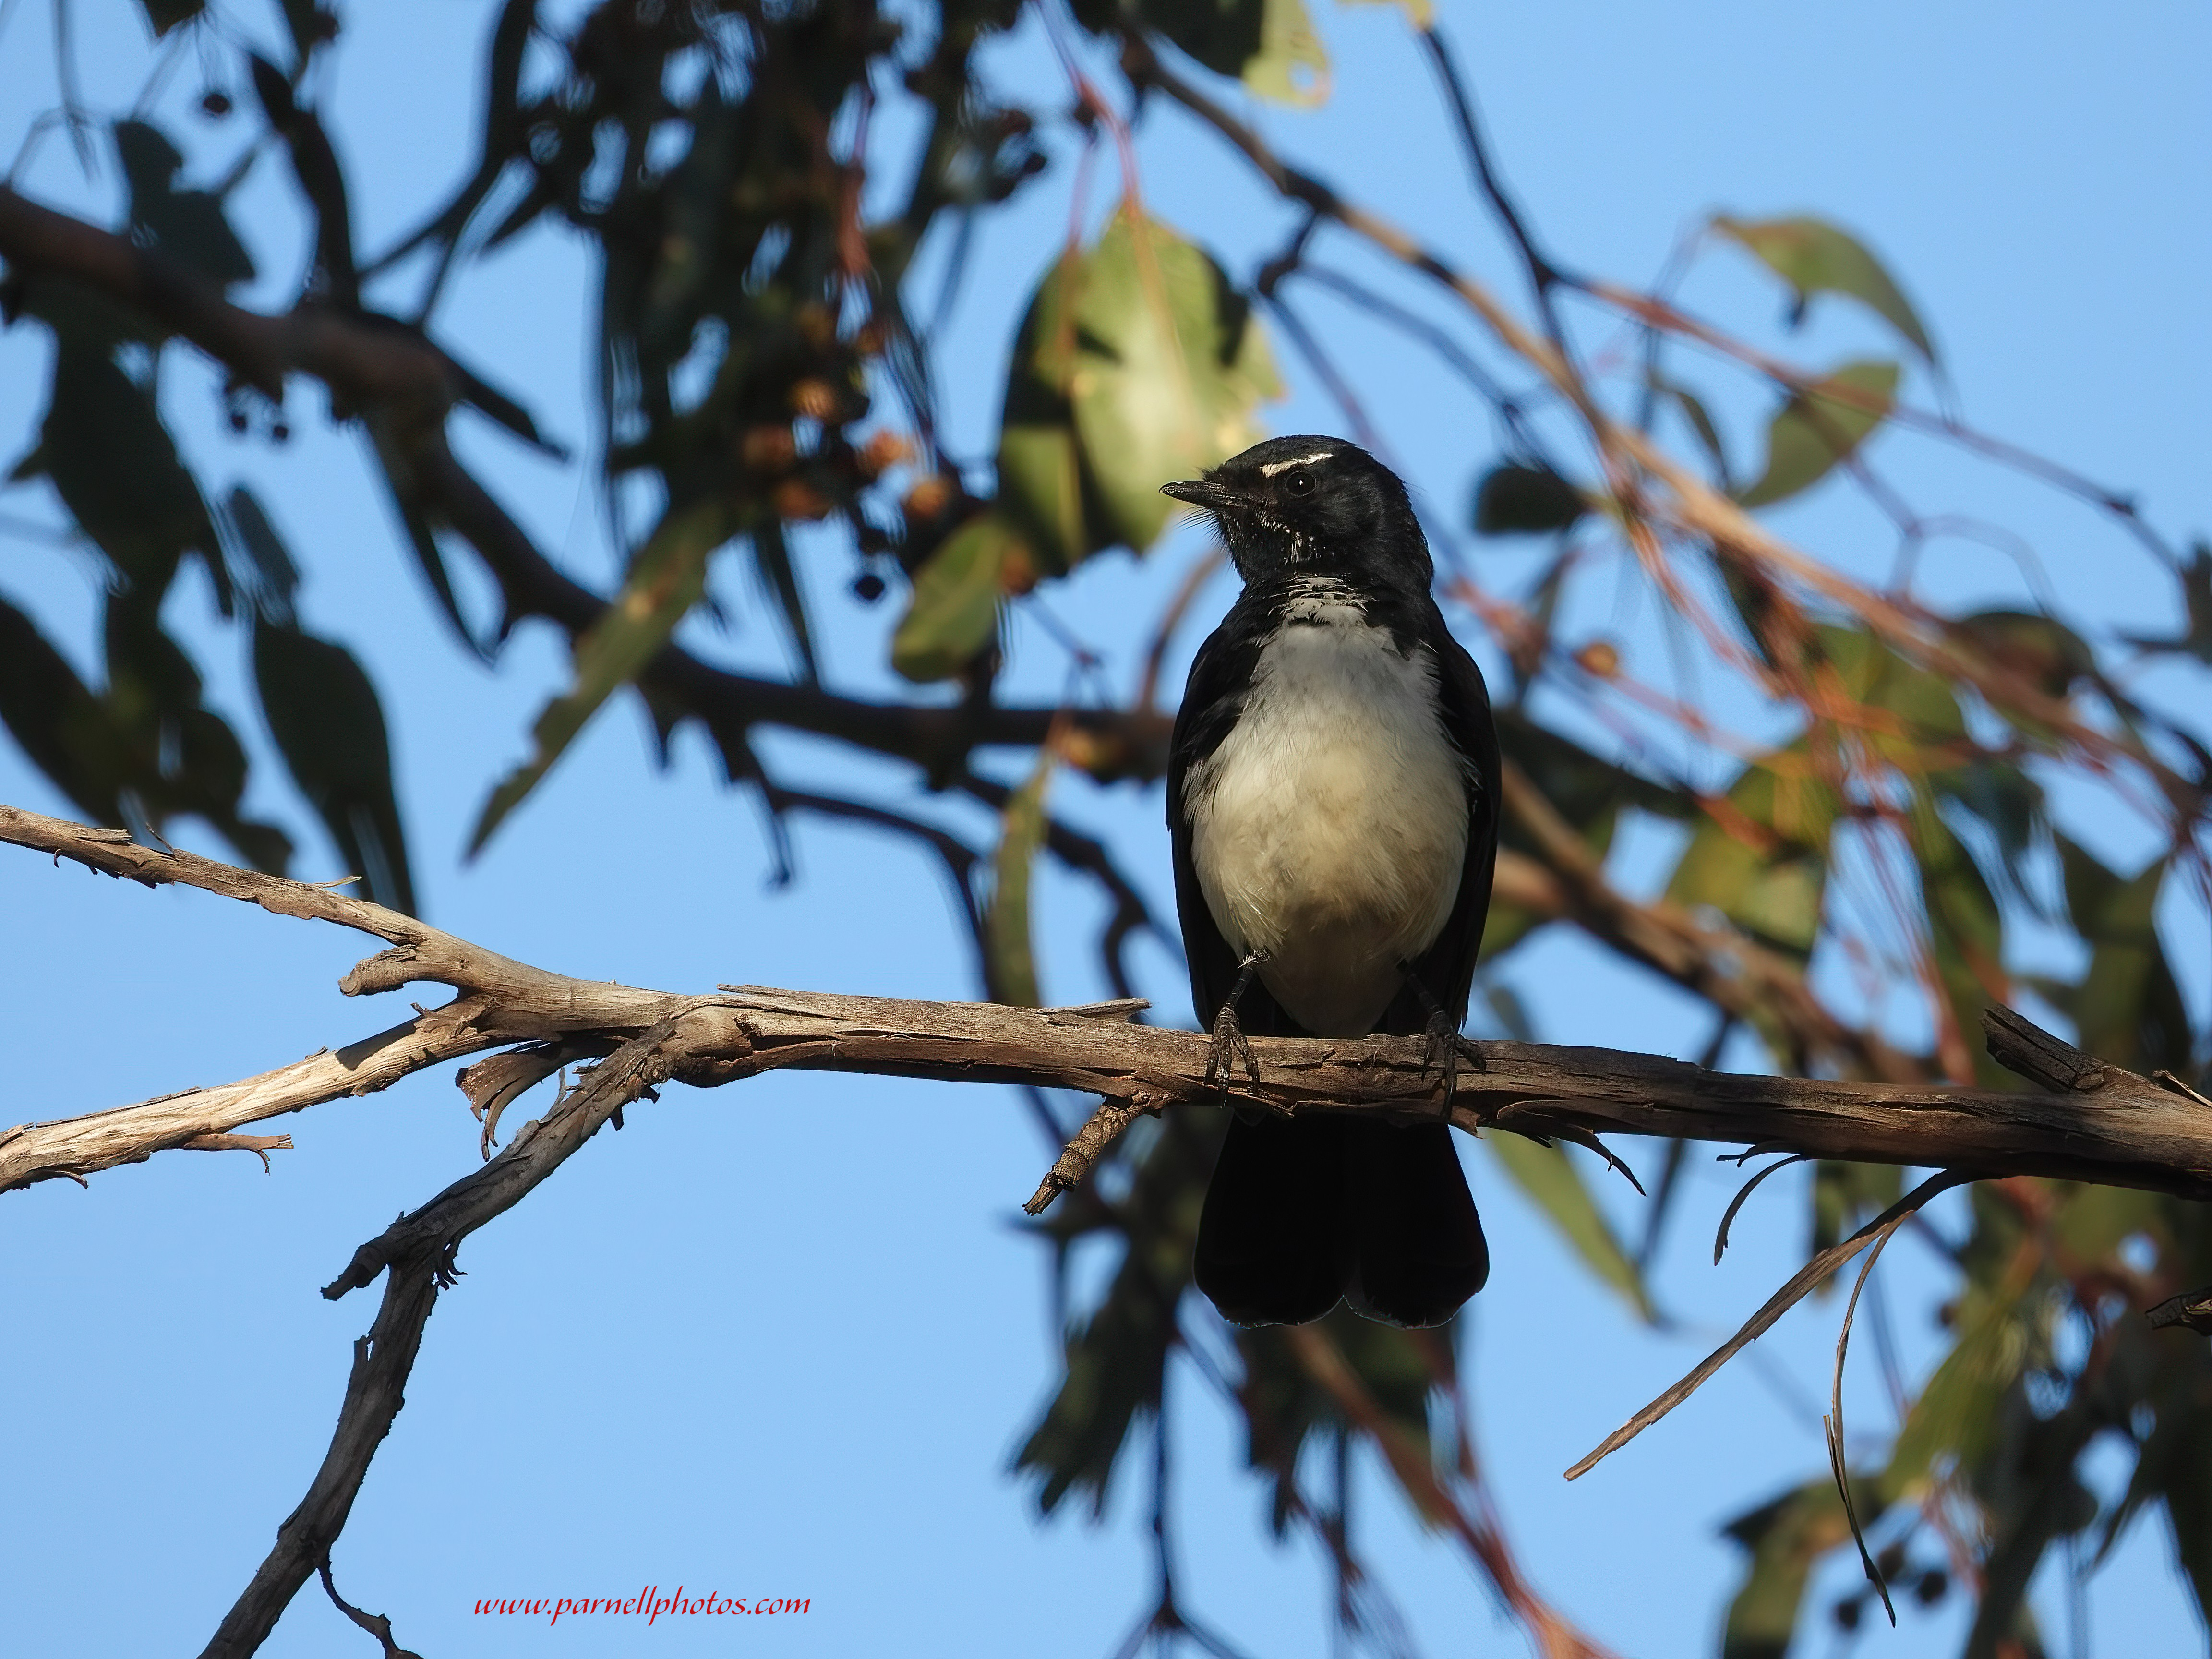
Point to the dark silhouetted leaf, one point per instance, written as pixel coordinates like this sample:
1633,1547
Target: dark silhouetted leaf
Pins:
165,15
666,580
1785,1538
1512,500
177,757
1813,258
315,165
187,224
324,714
420,524
311,23
773,555
116,469
2196,636
1815,429
264,568
57,722
955,607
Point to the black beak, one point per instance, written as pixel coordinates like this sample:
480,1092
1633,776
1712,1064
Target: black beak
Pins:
1203,492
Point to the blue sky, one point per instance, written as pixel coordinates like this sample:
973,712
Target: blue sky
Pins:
781,1338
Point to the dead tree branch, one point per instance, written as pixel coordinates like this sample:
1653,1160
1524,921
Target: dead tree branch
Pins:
2110,1127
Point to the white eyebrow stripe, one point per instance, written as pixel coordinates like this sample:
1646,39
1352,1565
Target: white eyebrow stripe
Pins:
1273,467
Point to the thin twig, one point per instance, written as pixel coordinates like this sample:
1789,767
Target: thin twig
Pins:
1812,1274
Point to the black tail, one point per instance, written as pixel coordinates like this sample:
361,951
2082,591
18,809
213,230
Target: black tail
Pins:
1305,1212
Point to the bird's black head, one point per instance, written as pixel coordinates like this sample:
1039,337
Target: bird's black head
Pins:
1313,505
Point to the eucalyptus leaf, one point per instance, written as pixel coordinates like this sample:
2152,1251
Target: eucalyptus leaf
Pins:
188,224
666,580
1814,256
1010,956
1140,362
1515,500
323,711
1816,429
116,469
59,723
1759,855
165,15
954,610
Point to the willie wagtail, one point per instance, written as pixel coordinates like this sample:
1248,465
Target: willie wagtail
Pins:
1333,801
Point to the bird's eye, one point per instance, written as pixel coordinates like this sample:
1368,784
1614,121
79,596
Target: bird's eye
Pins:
1299,484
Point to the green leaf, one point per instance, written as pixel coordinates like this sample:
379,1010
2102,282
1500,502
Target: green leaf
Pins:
1550,1179
165,15
323,712
1043,489
1814,256
1010,961
1525,500
1815,429
1759,855
1139,363
1285,1408
1965,934
666,580
1290,67
1170,367
954,610
2044,651
1957,1416
1785,1537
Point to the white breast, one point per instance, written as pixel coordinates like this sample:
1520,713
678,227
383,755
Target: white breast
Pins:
1329,828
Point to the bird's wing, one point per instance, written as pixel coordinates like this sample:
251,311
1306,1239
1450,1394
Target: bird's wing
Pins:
1212,702
1447,967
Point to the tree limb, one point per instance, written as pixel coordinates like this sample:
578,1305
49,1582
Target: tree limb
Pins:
2128,1132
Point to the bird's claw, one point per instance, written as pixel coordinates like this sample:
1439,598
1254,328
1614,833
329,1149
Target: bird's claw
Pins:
1227,1046
1446,1048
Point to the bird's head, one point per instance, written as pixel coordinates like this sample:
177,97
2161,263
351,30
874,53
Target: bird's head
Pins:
1310,505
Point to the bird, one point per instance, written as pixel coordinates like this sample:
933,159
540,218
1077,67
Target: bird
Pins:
1332,805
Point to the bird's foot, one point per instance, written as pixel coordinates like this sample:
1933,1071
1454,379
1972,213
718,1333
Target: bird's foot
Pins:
1227,1047
1446,1049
